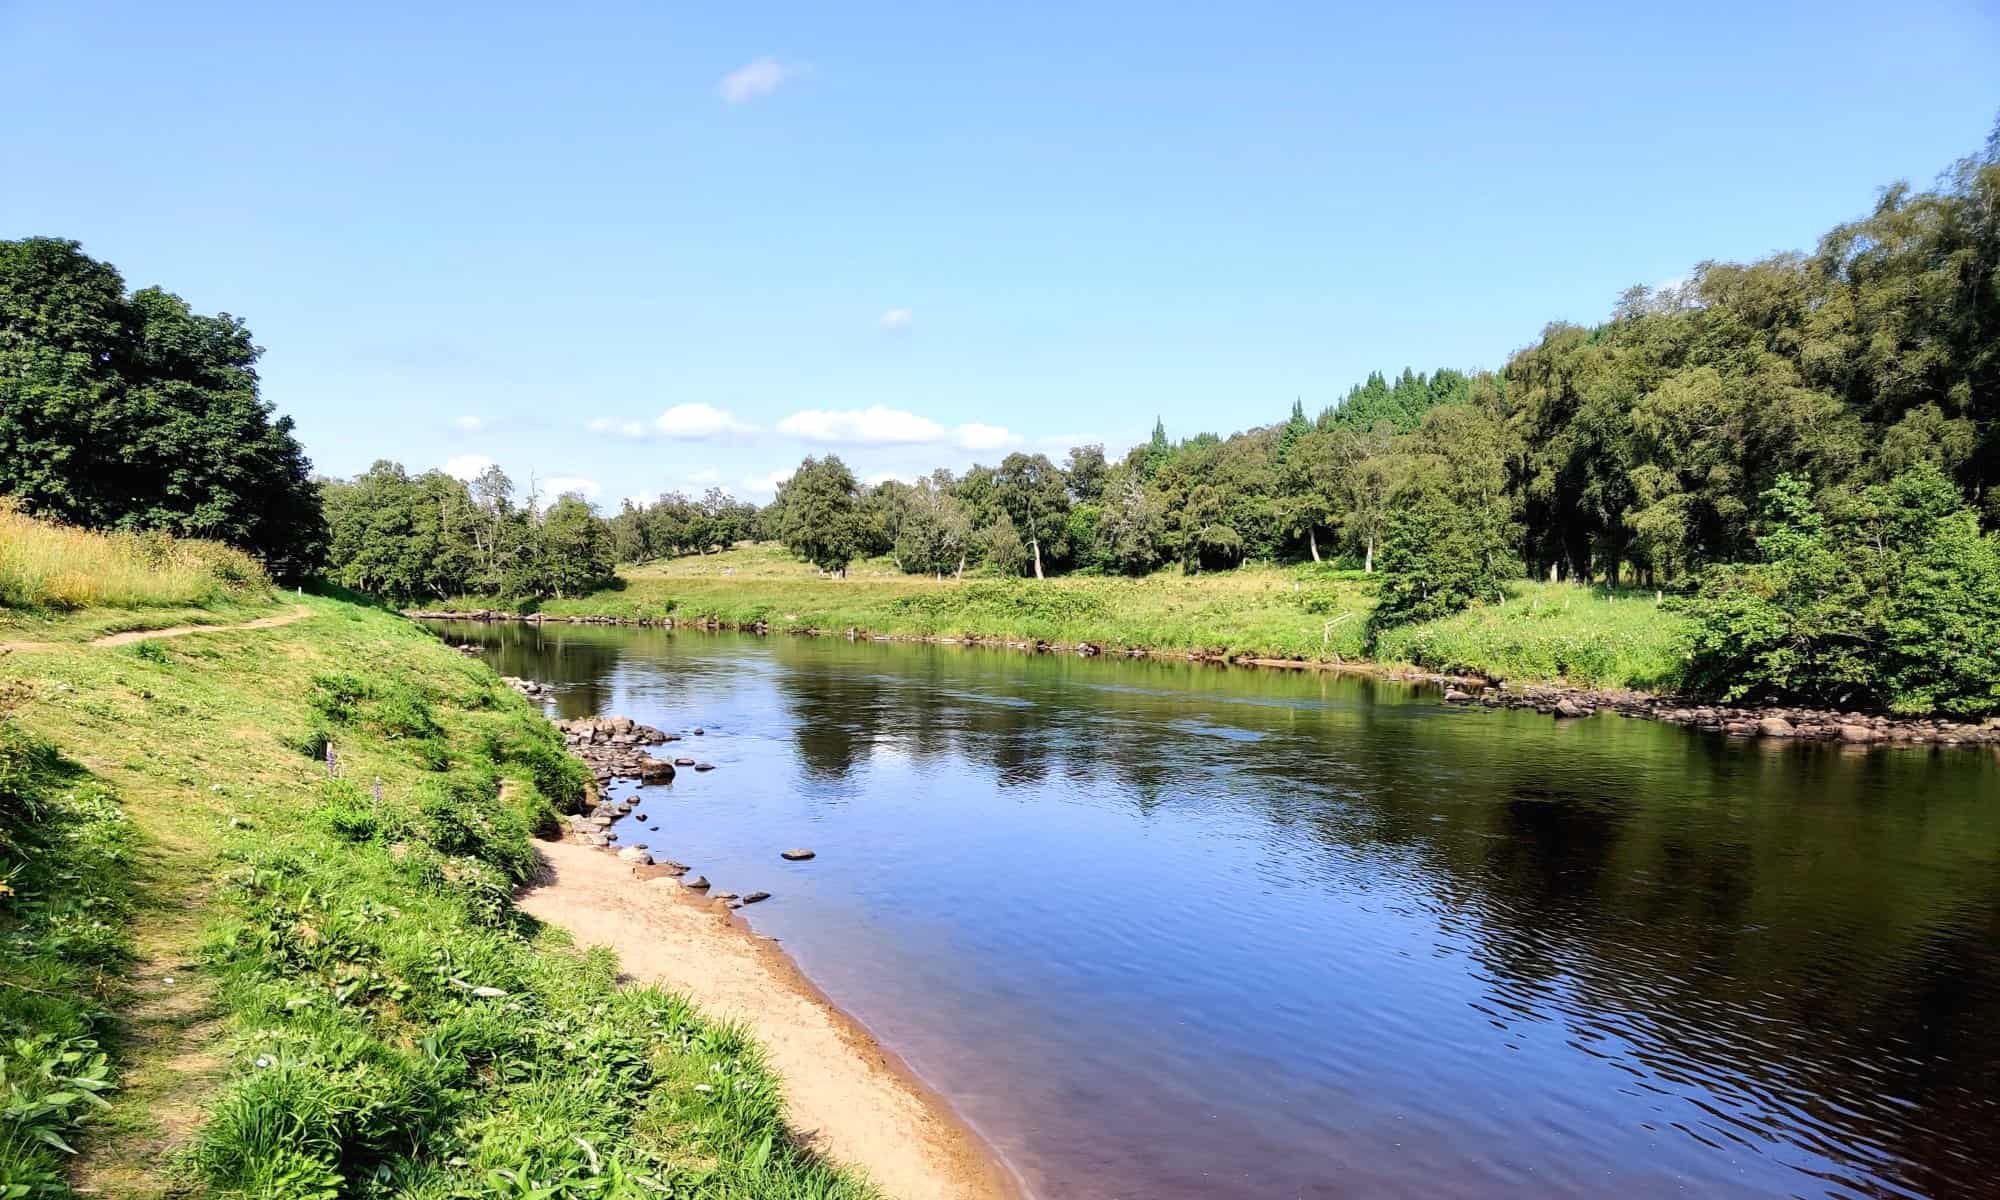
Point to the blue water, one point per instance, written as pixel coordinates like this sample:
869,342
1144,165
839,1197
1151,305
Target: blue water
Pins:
1160,930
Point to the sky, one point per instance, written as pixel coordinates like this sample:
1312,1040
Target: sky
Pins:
626,248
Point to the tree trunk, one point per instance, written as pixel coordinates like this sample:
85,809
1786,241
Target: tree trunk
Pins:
1037,544
1368,563
1312,539
1552,572
960,573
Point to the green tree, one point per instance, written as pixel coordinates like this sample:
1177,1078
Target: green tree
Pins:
575,549
822,519
1032,492
138,413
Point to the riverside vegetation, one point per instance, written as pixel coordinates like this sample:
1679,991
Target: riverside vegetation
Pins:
281,959
1799,456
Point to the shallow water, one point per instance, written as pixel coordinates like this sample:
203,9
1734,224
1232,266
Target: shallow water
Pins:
1167,931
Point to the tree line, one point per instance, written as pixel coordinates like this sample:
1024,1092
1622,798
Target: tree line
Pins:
1670,445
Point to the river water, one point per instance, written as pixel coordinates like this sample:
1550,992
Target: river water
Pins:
1160,930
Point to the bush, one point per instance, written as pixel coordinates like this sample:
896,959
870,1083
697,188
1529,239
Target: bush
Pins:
463,815
405,713
348,812
1893,604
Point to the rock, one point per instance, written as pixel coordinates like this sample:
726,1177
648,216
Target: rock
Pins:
1567,707
670,866
797,854
1739,728
722,895
638,816
754,897
655,770
1857,733
683,762
704,766
1775,727
699,731
698,883
632,854
652,829
1454,696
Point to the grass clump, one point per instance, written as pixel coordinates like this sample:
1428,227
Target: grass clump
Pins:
65,902
45,566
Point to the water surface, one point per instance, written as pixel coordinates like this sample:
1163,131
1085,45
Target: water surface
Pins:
1166,931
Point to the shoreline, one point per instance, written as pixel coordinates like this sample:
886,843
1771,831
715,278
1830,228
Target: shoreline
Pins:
1551,698
847,1096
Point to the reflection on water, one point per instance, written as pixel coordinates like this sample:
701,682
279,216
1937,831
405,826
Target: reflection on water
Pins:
1161,930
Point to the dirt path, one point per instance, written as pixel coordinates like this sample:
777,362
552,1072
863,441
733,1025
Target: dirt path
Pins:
847,1097
300,613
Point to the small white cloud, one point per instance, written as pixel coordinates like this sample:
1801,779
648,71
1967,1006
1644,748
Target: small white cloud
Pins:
976,436
469,424
643,499
467,466
757,78
765,485
709,476
699,421
881,477
875,425
897,319
563,485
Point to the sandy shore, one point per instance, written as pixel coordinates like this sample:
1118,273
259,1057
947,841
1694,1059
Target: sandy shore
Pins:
846,1096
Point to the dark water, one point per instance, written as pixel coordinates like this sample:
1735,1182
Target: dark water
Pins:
1162,931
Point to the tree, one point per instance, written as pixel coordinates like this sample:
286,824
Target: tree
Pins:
934,535
1085,473
1001,546
138,413
822,521
576,554
1031,491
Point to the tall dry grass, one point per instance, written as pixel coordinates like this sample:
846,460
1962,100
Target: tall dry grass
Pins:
44,565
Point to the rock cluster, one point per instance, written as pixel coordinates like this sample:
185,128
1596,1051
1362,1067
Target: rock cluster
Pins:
610,747
528,687
1800,724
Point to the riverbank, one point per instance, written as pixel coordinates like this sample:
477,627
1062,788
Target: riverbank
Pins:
1577,635
847,1097
317,819
1557,649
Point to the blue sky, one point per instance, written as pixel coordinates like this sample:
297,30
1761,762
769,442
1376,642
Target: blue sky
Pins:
631,247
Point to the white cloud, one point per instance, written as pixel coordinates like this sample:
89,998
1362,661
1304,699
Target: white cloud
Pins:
881,477
563,485
469,424
897,319
709,476
976,436
757,78
467,466
875,425
685,422
698,421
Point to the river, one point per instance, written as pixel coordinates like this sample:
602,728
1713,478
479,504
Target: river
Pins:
1160,930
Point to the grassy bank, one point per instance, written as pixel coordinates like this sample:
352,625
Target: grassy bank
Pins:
61,582
313,985
1542,632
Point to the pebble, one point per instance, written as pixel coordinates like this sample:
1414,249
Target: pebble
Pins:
754,897
797,854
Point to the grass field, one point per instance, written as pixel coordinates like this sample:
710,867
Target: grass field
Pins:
58,581
1543,632
295,986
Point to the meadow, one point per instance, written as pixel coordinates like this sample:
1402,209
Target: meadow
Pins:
1589,636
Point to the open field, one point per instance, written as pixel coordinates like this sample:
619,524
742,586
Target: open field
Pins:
1544,632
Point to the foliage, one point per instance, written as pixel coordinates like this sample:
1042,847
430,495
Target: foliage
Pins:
1893,602
431,536
44,565
65,862
133,412
820,515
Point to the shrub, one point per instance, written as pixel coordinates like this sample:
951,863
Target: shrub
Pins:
337,695
405,713
1892,604
348,812
463,815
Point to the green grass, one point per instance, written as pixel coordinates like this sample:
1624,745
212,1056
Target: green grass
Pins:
1590,636
65,852
62,583
1545,632
375,1016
